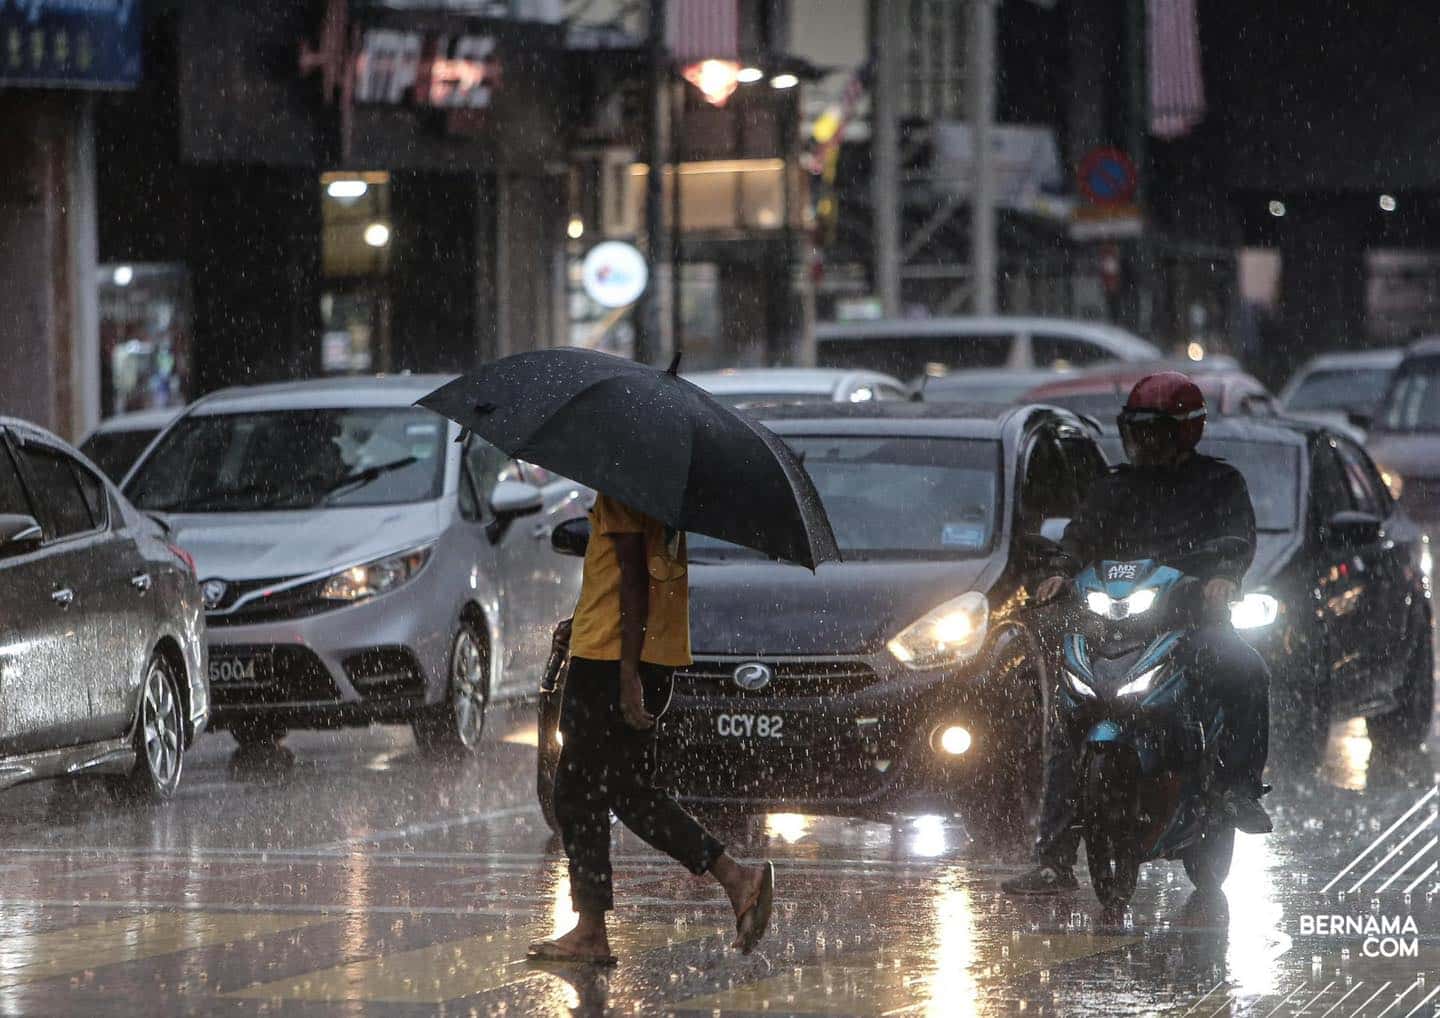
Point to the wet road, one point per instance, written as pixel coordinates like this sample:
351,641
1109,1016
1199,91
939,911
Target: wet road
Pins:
350,875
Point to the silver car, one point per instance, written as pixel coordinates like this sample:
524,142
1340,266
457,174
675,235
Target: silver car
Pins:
102,648
359,562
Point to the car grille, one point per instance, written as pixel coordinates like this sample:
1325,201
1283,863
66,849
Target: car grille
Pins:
297,676
799,773
791,678
294,603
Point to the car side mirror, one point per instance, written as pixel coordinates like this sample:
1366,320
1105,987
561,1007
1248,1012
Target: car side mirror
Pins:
510,500
1351,529
19,533
1360,419
571,537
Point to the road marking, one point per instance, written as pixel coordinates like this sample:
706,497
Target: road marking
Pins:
430,827
1380,840
448,970
124,939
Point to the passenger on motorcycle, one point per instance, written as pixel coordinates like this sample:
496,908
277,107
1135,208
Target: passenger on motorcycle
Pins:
1168,501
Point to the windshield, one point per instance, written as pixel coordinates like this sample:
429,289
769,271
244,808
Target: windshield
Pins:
1414,402
1357,389
888,497
1272,473
116,451
740,399
294,459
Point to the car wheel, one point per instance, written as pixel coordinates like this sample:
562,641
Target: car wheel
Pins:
159,737
456,725
1409,723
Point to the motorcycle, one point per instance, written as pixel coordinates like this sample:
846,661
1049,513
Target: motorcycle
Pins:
1147,783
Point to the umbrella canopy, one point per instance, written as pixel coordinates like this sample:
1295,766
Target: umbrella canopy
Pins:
650,439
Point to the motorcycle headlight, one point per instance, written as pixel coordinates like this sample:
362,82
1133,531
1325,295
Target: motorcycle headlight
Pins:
1254,611
1140,684
375,578
1136,603
1077,684
949,634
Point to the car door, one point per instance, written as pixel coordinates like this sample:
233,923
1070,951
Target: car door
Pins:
1384,563
48,646
1341,577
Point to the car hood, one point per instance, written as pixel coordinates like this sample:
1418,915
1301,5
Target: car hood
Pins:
274,545
1413,455
754,608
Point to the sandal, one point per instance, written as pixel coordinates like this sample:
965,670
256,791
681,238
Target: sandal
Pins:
752,920
550,951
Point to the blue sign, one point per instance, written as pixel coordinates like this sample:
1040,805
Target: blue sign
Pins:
70,43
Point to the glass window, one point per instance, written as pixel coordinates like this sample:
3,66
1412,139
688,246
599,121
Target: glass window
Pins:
1272,473
1365,488
1060,352
919,498
294,459
13,501
910,357
1330,492
115,452
1048,489
1414,403
92,489
58,490
1357,389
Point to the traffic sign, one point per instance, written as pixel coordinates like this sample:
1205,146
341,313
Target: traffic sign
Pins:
1107,177
614,274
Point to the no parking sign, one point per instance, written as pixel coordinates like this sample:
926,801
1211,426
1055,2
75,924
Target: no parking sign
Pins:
1107,177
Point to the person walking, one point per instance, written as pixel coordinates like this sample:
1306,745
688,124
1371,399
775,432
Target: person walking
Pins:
631,630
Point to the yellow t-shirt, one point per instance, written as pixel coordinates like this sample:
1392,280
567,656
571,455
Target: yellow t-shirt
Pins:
596,631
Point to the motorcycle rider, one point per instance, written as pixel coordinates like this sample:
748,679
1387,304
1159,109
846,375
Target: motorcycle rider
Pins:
1167,501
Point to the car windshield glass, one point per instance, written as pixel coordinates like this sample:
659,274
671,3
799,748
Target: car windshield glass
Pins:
897,497
1272,473
910,357
294,459
115,451
1357,389
749,398
1414,402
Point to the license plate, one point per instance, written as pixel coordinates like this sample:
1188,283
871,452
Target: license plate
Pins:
750,726
233,669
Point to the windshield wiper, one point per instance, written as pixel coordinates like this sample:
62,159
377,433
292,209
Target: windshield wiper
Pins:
360,478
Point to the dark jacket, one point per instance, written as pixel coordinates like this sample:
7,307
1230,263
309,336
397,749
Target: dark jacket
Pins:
1161,514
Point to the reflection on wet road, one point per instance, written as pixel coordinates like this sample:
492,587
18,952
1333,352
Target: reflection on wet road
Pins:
348,874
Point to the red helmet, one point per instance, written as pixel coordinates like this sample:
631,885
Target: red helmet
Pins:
1168,401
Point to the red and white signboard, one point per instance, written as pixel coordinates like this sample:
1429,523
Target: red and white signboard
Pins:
396,66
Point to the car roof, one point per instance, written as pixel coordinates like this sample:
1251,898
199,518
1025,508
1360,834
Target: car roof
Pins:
1111,336
140,420
349,391
1386,357
22,425
1115,378
1427,347
1278,430
953,420
762,380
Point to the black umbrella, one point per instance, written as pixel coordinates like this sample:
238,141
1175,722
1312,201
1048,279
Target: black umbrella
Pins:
650,439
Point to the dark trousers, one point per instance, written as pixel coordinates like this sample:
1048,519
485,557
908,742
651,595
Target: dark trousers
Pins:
1232,674
607,766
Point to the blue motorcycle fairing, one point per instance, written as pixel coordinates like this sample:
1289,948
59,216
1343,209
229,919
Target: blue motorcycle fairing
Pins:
1144,747
1119,579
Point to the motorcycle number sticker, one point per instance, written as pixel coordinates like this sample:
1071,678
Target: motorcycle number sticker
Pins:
1122,571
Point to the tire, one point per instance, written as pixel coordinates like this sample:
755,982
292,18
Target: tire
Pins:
1207,861
455,727
159,738
1114,868
1408,725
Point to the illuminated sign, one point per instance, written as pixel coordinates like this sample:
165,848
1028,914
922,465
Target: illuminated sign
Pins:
397,66
70,43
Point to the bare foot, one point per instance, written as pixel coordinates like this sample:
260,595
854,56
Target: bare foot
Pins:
742,890
586,940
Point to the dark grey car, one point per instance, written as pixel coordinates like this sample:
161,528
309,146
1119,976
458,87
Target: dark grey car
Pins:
908,673
102,650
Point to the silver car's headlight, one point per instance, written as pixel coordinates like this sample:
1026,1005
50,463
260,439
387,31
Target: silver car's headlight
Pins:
375,578
949,634
1254,611
1136,603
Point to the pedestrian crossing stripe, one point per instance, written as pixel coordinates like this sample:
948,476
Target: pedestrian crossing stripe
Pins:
451,969
31,957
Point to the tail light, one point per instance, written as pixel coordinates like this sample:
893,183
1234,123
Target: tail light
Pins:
183,556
